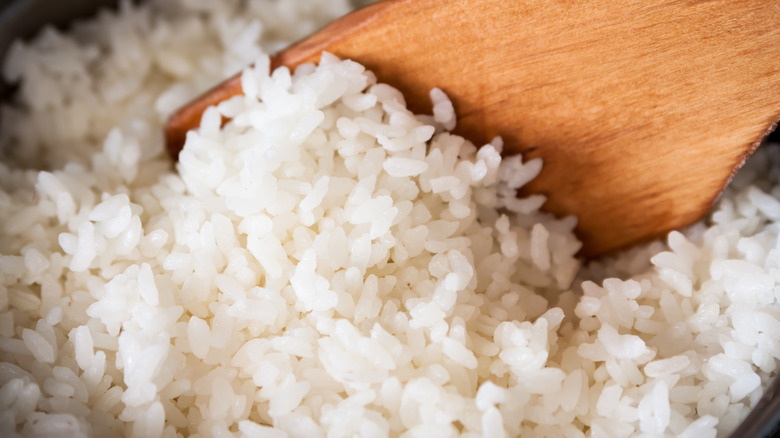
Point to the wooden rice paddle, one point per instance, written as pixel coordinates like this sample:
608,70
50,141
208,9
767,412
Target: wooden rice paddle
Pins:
641,109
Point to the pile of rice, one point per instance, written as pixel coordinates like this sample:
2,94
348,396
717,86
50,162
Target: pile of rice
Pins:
330,264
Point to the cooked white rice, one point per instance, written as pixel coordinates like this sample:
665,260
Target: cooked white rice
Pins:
329,264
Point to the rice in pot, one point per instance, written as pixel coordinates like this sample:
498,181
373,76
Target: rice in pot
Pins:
330,264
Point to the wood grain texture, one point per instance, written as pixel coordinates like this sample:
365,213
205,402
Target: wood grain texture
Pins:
641,110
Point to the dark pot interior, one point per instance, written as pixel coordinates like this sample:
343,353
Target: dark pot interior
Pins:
23,18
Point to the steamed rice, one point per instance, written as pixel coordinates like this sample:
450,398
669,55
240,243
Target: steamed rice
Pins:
329,264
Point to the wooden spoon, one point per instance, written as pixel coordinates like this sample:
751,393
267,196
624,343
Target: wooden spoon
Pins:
641,109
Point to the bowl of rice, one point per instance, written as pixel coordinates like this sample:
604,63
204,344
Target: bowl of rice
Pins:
330,264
